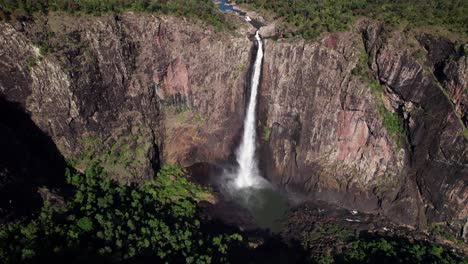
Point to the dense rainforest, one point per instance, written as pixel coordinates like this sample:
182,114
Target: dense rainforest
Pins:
306,18
203,9
107,221
94,218
310,18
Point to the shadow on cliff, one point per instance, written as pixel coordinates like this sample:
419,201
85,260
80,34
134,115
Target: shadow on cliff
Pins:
28,159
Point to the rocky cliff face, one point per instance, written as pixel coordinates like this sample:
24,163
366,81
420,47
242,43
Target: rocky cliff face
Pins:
151,89
325,133
136,91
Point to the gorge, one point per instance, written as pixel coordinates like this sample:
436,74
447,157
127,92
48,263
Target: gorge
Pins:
369,122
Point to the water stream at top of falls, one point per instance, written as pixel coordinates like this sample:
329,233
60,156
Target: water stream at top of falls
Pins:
248,173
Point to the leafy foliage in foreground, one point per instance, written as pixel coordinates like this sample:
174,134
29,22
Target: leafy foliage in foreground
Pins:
370,248
381,250
203,9
311,17
107,221
326,241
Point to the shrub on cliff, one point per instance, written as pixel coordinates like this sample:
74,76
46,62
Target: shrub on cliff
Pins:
108,221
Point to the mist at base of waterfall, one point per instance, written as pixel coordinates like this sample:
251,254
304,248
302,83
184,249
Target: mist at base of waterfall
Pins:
266,205
262,200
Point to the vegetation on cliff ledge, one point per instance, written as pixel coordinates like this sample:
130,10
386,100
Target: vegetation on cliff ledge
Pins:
203,9
311,17
391,120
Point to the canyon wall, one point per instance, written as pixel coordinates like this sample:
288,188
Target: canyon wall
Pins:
138,91
151,89
325,112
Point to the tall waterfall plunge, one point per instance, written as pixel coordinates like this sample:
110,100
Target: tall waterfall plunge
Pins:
245,185
248,173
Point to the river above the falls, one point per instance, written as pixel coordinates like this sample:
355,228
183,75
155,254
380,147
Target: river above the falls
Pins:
223,6
226,7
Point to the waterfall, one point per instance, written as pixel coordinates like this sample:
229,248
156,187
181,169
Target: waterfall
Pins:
245,185
248,173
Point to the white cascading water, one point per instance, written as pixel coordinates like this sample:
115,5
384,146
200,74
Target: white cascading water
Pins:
248,173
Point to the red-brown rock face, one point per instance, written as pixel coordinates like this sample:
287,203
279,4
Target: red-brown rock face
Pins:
151,89
323,126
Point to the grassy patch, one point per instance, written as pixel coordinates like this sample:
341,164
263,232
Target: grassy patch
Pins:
266,133
198,118
393,123
362,68
374,85
419,55
44,48
181,116
32,62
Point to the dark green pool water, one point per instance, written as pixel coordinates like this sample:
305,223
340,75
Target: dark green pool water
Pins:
266,205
